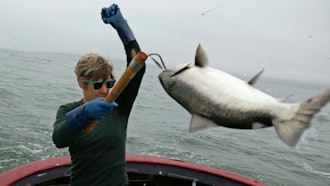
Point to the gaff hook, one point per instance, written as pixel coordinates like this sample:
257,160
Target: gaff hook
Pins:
157,63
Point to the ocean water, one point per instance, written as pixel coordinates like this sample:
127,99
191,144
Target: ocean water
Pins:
34,84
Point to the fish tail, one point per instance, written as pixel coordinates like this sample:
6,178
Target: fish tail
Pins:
291,130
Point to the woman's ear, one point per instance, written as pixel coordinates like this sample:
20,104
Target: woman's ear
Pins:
81,83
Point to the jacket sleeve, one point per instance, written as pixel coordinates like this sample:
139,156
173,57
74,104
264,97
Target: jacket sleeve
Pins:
62,134
129,94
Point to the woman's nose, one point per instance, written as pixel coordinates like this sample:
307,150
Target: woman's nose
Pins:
104,88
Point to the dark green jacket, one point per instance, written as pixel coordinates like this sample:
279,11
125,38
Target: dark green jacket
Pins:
98,157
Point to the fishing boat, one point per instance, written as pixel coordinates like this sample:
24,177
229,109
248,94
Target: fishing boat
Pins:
142,170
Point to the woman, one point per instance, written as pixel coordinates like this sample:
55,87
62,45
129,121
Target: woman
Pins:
98,157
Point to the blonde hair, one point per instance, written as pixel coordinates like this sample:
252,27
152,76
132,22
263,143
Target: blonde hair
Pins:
93,66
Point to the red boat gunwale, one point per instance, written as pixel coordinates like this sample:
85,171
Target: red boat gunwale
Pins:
11,176
17,173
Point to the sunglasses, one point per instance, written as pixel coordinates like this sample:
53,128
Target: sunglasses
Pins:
97,85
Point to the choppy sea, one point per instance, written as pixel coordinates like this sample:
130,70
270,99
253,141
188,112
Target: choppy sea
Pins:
34,84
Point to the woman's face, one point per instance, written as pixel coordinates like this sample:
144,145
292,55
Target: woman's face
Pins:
91,90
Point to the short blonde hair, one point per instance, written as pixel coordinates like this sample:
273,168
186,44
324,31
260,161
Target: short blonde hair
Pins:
93,66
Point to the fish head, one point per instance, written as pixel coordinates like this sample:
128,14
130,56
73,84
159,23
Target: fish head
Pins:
168,78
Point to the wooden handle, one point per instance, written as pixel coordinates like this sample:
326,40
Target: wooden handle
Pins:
134,66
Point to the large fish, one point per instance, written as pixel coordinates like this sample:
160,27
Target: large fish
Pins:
216,98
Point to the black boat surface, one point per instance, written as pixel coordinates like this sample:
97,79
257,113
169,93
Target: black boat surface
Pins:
142,170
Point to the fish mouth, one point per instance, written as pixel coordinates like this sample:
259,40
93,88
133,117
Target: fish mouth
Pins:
161,79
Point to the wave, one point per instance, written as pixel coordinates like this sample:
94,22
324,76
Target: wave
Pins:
311,170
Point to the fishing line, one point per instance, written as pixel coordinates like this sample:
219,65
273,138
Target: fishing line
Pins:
181,20
226,2
264,35
216,7
107,45
275,39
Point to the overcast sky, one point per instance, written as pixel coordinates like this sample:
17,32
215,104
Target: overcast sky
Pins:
289,38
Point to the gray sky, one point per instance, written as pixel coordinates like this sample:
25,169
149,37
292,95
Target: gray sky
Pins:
289,38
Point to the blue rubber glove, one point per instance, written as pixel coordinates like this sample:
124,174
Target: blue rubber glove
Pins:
97,109
112,15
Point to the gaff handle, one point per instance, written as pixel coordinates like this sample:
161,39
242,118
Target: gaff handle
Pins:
134,66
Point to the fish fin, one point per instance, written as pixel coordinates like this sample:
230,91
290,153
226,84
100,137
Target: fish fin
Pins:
290,131
198,123
255,78
200,57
